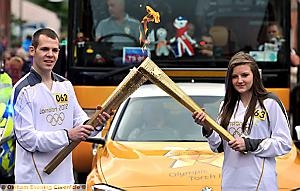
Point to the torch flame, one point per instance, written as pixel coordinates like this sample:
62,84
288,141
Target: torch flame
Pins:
152,16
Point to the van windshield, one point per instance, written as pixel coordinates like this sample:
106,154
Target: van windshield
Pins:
108,38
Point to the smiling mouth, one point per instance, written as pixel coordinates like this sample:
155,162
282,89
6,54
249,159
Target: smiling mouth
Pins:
241,87
49,61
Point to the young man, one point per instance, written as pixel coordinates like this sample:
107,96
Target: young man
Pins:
47,116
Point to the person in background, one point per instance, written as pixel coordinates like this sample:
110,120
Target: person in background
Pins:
7,142
259,124
153,125
295,61
27,62
118,22
206,46
5,84
273,31
47,116
6,58
26,43
20,53
15,69
3,44
274,37
80,39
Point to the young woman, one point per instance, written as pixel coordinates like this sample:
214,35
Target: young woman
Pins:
259,124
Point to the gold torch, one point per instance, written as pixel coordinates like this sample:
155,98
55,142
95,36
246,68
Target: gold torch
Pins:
158,77
130,83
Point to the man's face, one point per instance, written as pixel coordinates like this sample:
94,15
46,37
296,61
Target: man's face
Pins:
115,8
206,43
273,32
7,57
45,54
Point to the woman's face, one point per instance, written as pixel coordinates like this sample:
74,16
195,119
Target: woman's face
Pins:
242,78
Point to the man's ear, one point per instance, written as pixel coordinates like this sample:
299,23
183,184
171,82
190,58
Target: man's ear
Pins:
31,51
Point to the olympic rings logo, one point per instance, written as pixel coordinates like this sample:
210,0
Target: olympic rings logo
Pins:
55,119
238,131
235,131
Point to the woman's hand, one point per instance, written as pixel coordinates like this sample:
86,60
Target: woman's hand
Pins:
200,117
237,144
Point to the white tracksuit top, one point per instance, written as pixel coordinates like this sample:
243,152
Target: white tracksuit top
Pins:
41,118
242,172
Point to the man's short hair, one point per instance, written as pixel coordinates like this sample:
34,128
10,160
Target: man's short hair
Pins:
44,31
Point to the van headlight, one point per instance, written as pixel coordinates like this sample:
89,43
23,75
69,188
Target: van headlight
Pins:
105,187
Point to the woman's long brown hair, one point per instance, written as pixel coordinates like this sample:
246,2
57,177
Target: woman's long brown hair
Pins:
232,96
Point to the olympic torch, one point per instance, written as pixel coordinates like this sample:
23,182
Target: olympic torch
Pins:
159,78
130,83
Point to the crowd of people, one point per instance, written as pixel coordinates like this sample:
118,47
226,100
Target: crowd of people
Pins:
16,61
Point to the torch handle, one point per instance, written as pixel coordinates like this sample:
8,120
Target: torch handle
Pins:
60,157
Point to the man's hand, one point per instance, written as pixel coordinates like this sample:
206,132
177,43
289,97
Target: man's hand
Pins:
103,117
80,133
